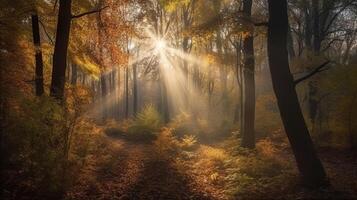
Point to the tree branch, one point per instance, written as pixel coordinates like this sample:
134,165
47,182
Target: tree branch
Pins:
88,13
312,73
261,24
47,34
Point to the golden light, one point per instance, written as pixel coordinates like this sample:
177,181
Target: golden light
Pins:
160,45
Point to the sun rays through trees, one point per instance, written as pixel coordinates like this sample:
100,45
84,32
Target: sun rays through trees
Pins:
178,99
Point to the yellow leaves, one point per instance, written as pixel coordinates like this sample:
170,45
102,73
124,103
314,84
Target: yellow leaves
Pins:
172,5
165,143
209,59
246,34
214,154
87,64
188,142
266,148
214,176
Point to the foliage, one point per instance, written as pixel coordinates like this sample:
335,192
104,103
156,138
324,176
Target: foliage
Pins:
166,144
255,171
186,124
145,125
36,142
213,154
188,142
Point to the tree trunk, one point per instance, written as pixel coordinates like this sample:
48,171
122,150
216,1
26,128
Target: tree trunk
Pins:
307,23
74,74
316,29
308,163
60,51
127,92
135,90
291,49
103,86
248,138
38,55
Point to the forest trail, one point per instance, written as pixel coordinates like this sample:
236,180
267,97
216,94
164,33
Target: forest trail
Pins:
137,172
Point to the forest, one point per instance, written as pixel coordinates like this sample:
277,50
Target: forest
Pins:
178,99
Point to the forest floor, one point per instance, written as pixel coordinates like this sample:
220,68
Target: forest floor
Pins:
135,170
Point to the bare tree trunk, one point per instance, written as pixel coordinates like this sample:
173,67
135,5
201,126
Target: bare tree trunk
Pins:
291,49
317,28
308,26
74,74
248,137
38,55
127,92
60,51
135,90
308,163
350,121
104,90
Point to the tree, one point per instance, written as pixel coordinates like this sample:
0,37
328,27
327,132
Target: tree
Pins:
38,55
248,84
60,51
61,46
309,165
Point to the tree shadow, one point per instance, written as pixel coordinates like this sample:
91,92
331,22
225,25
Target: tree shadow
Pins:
160,180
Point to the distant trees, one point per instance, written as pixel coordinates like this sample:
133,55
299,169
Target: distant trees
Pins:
308,163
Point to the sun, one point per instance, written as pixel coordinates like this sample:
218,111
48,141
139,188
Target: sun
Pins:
160,45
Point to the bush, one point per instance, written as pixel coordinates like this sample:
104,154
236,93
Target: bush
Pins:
37,144
146,125
166,144
204,131
188,142
35,141
257,171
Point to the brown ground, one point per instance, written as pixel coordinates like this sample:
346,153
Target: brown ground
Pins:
136,174
135,171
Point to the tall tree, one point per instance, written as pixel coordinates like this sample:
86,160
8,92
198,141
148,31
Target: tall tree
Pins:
248,84
60,51
308,163
135,90
38,55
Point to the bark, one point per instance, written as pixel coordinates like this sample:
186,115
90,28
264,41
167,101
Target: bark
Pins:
165,103
316,29
239,107
60,51
350,121
135,90
38,55
248,137
127,92
307,23
308,163
74,74
291,49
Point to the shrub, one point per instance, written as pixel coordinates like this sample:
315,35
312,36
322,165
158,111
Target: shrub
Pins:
35,141
166,144
188,142
145,126
214,154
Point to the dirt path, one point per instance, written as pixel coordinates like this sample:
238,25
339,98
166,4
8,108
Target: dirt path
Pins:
136,172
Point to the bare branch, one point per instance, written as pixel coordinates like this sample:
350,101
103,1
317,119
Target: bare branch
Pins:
88,13
55,5
47,34
312,73
261,24
336,15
